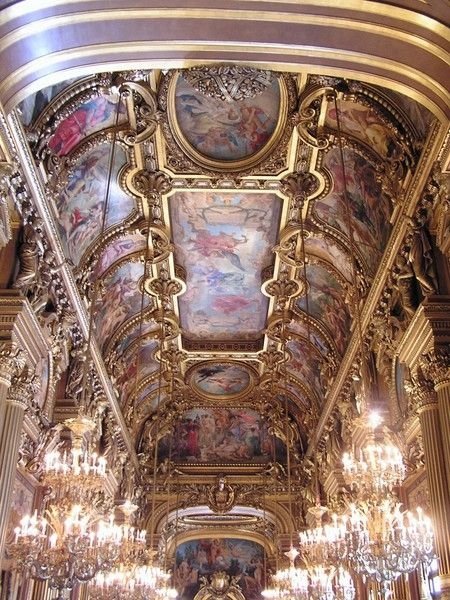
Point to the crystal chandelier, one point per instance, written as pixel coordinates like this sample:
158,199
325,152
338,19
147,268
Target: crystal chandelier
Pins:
69,542
146,582
382,541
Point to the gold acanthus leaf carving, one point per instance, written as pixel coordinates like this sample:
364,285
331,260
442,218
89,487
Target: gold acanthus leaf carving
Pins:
229,82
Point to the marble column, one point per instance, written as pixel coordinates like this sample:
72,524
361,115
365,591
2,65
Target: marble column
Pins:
20,394
436,365
428,409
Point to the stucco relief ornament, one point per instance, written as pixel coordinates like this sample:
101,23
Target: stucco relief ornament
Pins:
229,83
221,496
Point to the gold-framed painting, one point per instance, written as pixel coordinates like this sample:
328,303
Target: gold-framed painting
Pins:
228,118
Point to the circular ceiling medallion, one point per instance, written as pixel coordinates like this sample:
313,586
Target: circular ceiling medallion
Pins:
223,131
220,379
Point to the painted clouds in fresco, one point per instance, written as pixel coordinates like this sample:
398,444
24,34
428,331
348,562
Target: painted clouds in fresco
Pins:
370,209
224,241
326,304
226,130
80,204
243,559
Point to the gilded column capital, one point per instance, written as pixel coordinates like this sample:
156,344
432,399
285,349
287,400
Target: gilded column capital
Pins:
12,361
436,365
23,389
421,391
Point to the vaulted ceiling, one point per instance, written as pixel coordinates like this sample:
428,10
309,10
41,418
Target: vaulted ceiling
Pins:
235,216
224,201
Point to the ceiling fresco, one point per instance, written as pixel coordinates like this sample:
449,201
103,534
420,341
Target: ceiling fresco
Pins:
224,241
224,130
244,227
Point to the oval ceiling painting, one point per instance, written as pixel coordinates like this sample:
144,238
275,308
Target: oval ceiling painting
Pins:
229,120
222,380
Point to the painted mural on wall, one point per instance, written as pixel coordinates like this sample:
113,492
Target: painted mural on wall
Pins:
80,204
222,436
363,123
223,241
304,364
226,130
370,209
220,379
91,116
121,300
243,559
330,251
119,249
146,364
326,302
310,334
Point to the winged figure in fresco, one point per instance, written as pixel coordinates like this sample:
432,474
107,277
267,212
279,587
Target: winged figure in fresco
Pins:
221,244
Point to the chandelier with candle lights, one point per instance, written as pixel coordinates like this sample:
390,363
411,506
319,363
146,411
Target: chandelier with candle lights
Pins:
382,540
69,542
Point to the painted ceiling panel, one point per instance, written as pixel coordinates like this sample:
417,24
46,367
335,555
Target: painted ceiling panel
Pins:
224,130
224,241
326,302
121,301
370,208
80,204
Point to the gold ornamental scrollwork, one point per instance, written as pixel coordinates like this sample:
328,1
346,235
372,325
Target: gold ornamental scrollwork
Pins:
229,82
221,496
421,391
12,361
164,288
221,586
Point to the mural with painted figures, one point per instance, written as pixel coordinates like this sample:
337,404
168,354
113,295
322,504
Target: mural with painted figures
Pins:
326,302
327,249
117,250
224,241
363,123
310,334
146,364
121,302
81,203
370,209
222,436
220,379
225,130
243,559
91,116
304,364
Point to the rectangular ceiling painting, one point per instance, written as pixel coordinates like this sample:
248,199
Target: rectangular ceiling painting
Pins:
224,241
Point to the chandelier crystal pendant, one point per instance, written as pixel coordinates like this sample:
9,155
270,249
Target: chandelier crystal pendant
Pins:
382,540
